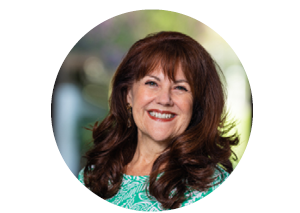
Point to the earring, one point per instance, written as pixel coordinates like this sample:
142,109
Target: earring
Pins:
129,115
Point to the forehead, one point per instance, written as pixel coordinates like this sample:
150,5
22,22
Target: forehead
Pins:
174,76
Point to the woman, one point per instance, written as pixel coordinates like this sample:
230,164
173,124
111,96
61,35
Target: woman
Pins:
164,143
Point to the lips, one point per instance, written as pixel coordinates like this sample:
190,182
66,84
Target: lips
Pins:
160,115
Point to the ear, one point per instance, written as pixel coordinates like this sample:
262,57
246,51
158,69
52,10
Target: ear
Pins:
129,97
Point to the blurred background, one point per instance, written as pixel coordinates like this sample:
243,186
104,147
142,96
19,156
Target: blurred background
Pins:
80,95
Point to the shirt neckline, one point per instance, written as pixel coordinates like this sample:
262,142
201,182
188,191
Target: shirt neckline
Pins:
133,177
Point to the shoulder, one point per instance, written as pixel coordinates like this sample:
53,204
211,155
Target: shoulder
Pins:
220,175
81,176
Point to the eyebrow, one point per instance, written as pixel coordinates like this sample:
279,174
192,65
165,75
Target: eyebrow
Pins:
176,82
153,77
179,81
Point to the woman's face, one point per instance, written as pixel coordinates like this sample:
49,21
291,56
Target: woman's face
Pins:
160,107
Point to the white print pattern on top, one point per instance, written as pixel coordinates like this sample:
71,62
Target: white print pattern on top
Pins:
132,193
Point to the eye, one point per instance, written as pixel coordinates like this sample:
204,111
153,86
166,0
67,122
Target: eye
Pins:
151,83
181,88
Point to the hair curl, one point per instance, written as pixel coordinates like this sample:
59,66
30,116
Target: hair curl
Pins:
190,158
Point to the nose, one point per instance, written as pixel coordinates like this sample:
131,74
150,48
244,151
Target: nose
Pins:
164,97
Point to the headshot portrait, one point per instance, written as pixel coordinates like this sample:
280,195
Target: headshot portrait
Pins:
152,110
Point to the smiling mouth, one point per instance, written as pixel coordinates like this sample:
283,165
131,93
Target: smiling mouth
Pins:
161,115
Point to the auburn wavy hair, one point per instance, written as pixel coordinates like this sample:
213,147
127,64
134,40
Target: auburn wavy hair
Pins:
190,158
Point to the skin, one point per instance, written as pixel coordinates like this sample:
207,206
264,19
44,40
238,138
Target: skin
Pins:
157,92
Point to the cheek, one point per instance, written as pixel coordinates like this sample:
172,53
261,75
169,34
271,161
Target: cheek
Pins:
140,102
186,106
142,98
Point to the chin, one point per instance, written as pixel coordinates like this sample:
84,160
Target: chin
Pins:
160,140
160,137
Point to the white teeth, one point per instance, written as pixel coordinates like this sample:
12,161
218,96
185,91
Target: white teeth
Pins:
163,116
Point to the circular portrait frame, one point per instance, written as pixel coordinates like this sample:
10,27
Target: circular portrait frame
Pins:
83,85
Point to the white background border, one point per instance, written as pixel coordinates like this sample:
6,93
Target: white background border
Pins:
37,36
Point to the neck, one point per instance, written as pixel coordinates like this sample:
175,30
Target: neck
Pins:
146,153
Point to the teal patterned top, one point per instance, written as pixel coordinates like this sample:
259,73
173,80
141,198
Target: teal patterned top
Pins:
132,194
